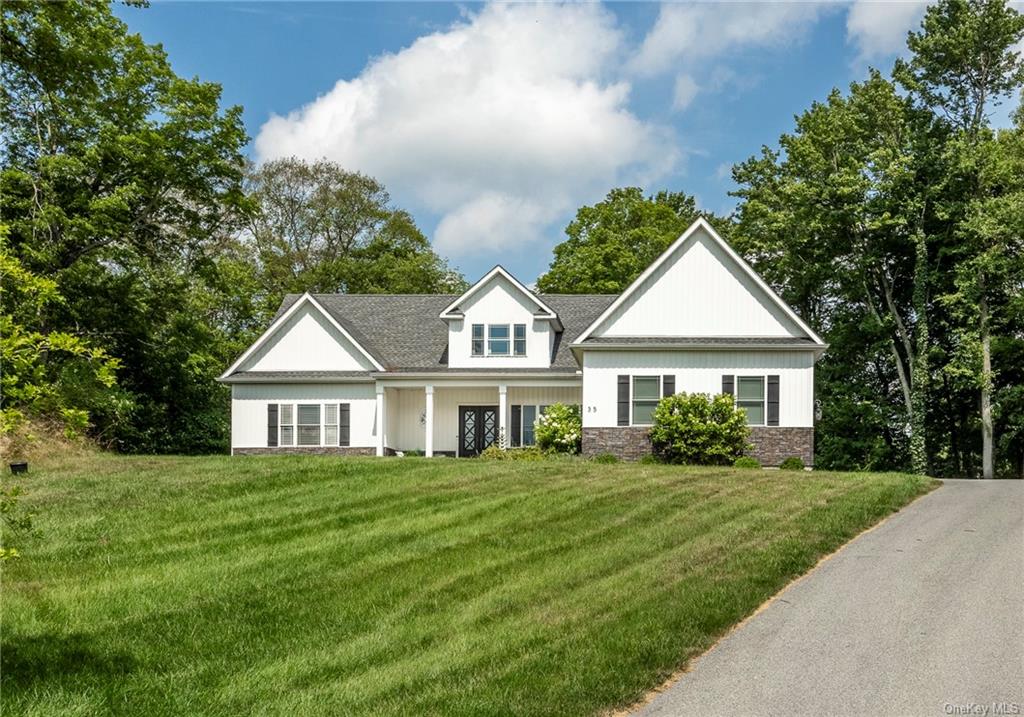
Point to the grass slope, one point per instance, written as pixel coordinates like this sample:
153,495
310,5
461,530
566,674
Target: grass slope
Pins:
303,586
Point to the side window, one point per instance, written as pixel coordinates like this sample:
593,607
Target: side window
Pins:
750,397
646,393
478,339
529,418
330,424
519,340
287,424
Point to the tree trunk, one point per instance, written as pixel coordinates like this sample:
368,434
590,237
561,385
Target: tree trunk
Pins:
987,460
919,360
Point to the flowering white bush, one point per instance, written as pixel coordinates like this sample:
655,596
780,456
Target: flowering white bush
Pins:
560,429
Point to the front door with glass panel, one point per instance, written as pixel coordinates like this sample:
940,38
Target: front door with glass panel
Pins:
478,428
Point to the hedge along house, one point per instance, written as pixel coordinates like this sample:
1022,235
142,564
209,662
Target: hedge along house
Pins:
452,375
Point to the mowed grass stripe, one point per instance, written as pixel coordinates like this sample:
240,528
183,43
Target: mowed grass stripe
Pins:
323,586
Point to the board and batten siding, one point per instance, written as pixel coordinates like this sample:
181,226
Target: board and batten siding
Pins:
499,303
698,372
249,409
700,291
307,342
407,405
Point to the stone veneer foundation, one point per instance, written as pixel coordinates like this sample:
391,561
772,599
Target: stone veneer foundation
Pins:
772,444
306,451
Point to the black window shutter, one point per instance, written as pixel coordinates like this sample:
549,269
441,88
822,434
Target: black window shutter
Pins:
727,385
344,421
773,400
517,425
623,400
272,425
668,385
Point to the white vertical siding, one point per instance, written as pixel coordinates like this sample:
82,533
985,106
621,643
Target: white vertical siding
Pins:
499,303
307,342
700,291
698,372
249,409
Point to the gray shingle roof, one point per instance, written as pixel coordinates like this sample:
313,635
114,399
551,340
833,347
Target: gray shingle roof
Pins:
298,376
700,341
403,331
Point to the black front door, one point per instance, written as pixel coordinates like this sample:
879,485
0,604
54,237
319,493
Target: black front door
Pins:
478,428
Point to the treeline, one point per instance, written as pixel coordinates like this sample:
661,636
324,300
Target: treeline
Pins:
141,253
892,219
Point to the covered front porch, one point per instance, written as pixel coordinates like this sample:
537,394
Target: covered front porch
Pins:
463,417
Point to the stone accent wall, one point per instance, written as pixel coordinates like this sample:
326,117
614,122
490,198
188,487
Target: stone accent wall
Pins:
629,443
307,451
772,444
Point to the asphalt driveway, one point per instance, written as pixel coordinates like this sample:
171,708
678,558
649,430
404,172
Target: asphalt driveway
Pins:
922,616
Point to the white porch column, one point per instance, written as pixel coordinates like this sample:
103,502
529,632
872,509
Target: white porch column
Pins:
502,417
429,427
380,420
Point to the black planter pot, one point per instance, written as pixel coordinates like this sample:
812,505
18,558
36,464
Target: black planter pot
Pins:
19,467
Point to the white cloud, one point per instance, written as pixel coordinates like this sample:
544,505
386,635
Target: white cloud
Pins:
499,124
685,90
686,33
879,29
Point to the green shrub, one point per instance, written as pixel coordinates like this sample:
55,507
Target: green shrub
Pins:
696,428
793,463
525,453
413,453
606,458
746,462
560,429
649,459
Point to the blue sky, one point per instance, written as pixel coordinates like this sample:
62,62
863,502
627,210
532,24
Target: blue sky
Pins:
493,123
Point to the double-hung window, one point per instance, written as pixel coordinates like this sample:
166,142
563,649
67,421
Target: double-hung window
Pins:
478,339
309,424
646,394
529,419
330,424
519,339
497,340
287,424
750,397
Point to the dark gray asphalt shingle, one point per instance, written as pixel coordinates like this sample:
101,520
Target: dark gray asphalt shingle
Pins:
403,331
700,341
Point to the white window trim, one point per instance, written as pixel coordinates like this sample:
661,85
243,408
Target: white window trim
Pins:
524,340
295,422
633,399
509,354
483,340
764,396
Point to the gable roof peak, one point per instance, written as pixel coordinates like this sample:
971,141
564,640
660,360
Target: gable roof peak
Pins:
700,223
453,311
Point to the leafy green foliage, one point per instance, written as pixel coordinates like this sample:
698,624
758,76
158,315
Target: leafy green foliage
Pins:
606,458
699,429
746,462
793,463
560,429
612,242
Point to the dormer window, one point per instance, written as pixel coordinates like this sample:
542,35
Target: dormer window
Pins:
519,340
497,340
478,339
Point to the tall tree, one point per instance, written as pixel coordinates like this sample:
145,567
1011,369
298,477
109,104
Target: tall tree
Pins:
119,180
610,243
963,64
319,227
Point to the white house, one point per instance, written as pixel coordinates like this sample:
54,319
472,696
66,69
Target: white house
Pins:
446,374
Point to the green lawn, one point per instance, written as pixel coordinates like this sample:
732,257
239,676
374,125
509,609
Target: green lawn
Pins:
305,586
